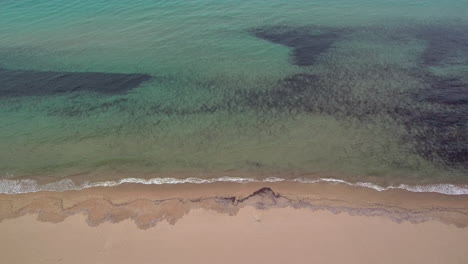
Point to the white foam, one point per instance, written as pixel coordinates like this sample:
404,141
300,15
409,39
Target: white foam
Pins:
449,189
9,186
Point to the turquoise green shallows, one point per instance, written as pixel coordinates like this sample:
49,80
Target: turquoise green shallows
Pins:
199,53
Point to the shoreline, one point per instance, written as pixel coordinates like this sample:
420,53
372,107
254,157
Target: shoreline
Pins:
277,222
18,186
148,205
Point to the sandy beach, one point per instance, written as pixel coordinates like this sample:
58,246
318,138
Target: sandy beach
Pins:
233,223
218,132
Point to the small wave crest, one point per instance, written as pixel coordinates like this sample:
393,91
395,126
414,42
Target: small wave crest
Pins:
8,186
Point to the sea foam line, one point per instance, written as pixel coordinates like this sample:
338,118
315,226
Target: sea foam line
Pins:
8,186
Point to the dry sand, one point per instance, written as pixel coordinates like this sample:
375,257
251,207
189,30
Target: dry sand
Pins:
233,223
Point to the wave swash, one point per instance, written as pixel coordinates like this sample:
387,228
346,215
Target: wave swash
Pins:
8,186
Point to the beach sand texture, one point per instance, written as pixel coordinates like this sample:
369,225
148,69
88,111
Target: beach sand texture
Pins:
233,223
207,131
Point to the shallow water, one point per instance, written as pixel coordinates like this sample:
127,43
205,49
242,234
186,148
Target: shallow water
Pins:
364,91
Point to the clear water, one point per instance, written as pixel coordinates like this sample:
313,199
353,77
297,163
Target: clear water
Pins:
217,101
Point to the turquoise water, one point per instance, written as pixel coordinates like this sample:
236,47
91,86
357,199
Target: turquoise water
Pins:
224,97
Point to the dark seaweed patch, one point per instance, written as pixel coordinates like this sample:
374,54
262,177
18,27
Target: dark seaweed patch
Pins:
445,43
307,42
314,94
441,136
438,133
292,94
445,90
34,83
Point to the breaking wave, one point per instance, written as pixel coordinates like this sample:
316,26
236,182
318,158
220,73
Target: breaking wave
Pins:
8,186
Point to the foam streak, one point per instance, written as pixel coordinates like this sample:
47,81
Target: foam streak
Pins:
8,186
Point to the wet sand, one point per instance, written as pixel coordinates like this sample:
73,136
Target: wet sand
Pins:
233,223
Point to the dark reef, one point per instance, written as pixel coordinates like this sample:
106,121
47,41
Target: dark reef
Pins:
35,83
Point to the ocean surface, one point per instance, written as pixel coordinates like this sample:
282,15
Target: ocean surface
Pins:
98,93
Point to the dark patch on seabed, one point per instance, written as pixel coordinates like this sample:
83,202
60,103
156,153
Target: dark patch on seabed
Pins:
438,132
294,94
307,42
311,93
36,83
442,134
446,44
450,91
439,135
